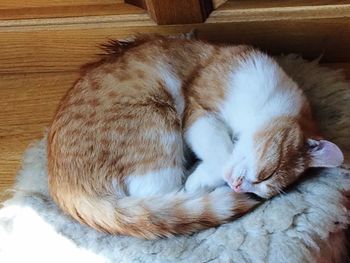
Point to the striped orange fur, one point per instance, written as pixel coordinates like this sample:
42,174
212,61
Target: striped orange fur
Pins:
115,146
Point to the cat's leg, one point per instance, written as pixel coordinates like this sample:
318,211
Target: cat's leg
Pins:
205,177
158,182
209,138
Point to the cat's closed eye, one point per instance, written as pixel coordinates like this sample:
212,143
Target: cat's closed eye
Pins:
265,178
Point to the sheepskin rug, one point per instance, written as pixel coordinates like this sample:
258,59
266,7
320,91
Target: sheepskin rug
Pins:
305,224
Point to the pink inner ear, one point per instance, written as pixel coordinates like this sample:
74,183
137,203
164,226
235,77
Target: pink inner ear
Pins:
326,154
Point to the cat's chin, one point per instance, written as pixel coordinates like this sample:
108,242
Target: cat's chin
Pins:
253,193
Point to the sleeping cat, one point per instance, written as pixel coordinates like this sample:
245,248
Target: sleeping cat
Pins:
116,144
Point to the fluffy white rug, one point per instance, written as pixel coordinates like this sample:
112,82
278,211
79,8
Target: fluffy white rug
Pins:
306,224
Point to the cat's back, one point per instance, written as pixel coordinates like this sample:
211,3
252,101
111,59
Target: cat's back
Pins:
129,76
111,121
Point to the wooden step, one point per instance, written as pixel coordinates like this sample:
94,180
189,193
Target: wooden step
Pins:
72,10
66,47
65,43
11,4
272,10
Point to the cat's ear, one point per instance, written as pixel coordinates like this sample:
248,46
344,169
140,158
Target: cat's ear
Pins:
324,153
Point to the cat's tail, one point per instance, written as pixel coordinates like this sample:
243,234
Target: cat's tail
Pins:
160,216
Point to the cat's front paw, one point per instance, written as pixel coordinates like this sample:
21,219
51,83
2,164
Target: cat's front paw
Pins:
204,178
192,185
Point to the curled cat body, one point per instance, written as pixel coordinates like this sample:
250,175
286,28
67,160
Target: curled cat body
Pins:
116,144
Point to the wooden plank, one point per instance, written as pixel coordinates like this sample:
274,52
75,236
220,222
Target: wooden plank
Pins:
257,4
69,11
27,103
310,37
166,12
11,4
67,47
271,10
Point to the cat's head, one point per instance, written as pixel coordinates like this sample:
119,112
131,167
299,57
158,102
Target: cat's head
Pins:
276,157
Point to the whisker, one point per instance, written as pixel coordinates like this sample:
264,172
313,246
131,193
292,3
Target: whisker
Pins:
279,189
282,192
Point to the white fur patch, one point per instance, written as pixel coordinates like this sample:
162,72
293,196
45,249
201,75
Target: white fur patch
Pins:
194,206
221,202
153,183
259,91
210,139
204,178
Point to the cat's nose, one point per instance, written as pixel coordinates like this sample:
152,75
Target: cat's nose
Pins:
237,185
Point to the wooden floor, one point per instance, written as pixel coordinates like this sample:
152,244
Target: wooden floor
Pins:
27,104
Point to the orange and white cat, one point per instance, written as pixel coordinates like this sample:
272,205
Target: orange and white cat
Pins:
116,144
